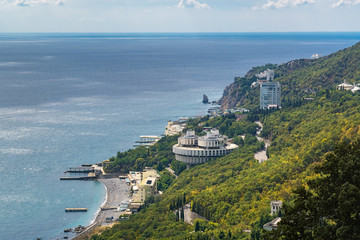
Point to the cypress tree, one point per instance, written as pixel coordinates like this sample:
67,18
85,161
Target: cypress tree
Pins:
182,214
229,234
197,226
177,216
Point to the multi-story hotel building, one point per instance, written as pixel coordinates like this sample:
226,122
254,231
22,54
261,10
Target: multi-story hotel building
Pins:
270,95
193,150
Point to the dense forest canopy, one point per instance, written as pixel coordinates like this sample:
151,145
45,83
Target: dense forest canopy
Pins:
234,192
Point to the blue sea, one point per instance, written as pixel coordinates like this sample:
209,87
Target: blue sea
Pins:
70,99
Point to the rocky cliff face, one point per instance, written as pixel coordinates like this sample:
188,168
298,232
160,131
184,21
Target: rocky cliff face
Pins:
231,97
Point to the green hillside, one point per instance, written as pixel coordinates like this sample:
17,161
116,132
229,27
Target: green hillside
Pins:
234,192
298,78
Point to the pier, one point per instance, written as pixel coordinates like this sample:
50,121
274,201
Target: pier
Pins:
93,172
75,209
80,170
147,141
79,178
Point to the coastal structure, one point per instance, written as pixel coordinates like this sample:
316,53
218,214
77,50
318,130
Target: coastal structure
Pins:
146,141
144,184
173,128
193,150
270,95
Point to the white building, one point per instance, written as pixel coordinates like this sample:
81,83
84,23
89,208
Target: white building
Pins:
270,94
355,89
272,225
345,86
193,150
316,56
275,207
268,74
172,128
144,184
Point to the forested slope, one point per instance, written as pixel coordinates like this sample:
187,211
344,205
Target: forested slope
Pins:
298,78
234,192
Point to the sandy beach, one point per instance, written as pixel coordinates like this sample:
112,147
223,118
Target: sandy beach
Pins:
117,190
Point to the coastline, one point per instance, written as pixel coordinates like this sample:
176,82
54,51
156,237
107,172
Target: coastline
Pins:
102,205
116,191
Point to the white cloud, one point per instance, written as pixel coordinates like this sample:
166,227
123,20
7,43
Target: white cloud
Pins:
276,4
22,3
191,4
343,3
340,3
28,3
303,2
60,2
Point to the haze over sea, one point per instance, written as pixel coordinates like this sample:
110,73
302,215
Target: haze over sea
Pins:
69,99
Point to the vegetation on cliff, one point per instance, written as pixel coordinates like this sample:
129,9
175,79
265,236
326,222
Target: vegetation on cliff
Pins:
329,207
234,192
298,78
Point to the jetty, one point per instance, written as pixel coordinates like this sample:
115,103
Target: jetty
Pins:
75,209
79,178
147,141
82,169
93,172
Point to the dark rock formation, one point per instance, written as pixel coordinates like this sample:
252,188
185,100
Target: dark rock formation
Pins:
205,99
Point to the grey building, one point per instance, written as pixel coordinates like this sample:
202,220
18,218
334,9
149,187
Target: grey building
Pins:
193,150
270,95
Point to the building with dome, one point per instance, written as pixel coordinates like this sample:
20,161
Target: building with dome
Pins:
193,150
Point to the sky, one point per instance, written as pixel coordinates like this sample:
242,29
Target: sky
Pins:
179,15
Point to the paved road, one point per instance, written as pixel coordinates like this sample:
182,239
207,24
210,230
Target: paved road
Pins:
171,171
261,156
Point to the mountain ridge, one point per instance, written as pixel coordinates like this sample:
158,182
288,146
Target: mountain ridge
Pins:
325,73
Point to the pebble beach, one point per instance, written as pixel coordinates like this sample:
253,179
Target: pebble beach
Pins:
117,191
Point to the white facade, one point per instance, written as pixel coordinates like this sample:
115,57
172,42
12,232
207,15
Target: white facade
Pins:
172,129
193,150
275,207
144,184
345,86
268,74
316,56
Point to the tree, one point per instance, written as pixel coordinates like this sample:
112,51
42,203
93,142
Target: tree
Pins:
182,214
197,226
229,234
330,209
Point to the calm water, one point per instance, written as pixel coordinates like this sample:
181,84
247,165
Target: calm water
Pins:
68,99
